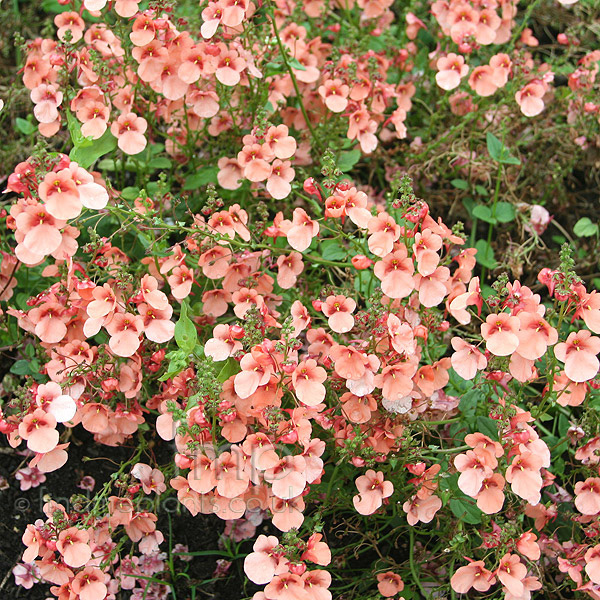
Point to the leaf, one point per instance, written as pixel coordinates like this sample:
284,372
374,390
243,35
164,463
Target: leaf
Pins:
74,128
231,367
203,177
160,162
499,152
21,367
485,254
25,126
585,227
186,333
481,190
484,213
488,427
468,402
347,160
86,155
296,64
460,184
465,510
505,212
331,250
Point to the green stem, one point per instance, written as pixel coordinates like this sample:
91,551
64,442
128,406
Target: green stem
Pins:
411,559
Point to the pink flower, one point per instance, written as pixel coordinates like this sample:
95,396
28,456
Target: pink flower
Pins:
89,584
308,379
592,564
47,99
419,509
339,311
587,496
511,574
300,231
524,476
384,231
261,565
289,267
69,21
579,355
280,142
335,95
530,99
451,69
500,333
129,130
395,272
59,192
73,544
30,477
473,575
39,429
389,584
278,182
124,330
467,359
372,489
481,81
474,466
491,496
152,479
26,575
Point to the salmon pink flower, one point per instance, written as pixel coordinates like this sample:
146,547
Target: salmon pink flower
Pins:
482,82
491,496
426,247
254,159
40,229
289,267
500,333
339,311
229,66
579,355
528,546
335,95
395,271
181,280
524,476
278,182
124,330
73,544
474,466
287,477
384,232
535,335
89,584
511,574
261,565
308,379
39,429
592,564
69,21
281,143
473,575
530,99
223,344
467,359
256,371
152,479
59,192
129,130
287,587
421,509
300,231
432,288
47,99
588,309
389,584
451,69
401,335
587,496
372,489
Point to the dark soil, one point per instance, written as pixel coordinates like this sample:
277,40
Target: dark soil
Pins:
200,533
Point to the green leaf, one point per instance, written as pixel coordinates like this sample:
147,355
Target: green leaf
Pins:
202,177
21,367
231,367
484,213
331,250
465,510
160,162
488,427
186,333
74,128
296,64
499,152
347,160
505,212
460,184
130,192
485,254
177,363
468,402
86,155
25,126
585,227
481,190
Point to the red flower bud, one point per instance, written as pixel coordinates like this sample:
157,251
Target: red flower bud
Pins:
360,262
